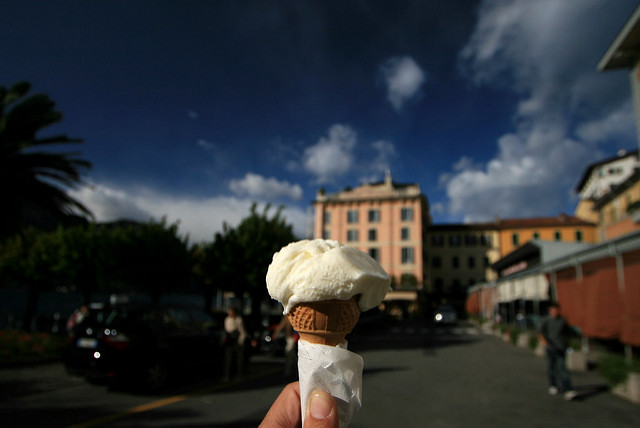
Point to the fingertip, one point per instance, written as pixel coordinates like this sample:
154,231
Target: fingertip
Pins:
320,405
322,411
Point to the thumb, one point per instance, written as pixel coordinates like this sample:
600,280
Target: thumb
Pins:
322,411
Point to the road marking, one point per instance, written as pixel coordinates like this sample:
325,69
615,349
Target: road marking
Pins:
132,411
167,401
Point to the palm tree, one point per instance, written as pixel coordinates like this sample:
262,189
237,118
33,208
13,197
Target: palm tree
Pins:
33,183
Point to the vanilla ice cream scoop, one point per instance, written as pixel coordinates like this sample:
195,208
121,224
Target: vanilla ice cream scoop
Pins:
318,270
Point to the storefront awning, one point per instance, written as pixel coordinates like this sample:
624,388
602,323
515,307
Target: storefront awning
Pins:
531,287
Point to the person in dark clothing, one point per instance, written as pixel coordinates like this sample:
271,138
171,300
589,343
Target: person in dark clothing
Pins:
235,336
554,334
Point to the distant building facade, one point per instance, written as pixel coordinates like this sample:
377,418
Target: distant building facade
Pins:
514,233
461,255
619,210
599,179
624,53
387,220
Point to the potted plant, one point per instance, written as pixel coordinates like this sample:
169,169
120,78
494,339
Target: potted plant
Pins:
576,357
623,375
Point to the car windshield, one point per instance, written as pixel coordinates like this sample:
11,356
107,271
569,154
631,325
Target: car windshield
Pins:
96,316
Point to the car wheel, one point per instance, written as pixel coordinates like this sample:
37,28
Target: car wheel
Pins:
156,375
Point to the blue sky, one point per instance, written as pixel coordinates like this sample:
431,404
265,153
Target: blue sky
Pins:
194,109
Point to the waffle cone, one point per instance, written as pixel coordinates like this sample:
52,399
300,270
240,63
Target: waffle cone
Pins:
326,322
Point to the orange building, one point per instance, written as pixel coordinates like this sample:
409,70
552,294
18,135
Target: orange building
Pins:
386,220
619,210
513,233
461,255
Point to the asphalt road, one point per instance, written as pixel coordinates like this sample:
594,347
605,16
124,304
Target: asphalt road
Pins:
415,376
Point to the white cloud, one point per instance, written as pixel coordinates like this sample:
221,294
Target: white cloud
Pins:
527,178
200,218
385,151
618,123
254,185
404,78
544,52
332,156
205,144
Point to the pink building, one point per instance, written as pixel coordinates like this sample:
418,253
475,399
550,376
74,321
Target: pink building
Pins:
387,220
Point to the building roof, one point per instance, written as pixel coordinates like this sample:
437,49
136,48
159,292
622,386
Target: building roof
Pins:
610,248
546,250
382,190
625,49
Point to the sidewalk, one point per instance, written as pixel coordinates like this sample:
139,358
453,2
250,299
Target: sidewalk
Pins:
464,378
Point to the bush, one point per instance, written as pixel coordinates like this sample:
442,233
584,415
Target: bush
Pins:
615,368
515,332
18,346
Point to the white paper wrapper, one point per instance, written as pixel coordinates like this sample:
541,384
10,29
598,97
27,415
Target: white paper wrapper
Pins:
332,369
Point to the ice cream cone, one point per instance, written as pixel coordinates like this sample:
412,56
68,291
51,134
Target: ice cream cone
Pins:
326,322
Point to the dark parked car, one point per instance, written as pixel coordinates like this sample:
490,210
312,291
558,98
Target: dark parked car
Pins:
144,344
445,314
265,342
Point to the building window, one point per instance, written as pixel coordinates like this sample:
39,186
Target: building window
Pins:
404,234
557,235
438,284
374,253
536,235
374,216
437,240
326,234
515,238
327,217
485,240
406,255
352,216
487,263
455,262
455,240
471,262
373,235
406,214
578,236
436,262
352,235
470,240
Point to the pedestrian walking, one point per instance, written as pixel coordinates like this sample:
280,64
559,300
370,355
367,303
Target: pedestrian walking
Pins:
554,333
77,317
290,347
235,336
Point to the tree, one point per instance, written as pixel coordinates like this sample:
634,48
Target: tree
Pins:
28,259
149,257
78,258
239,258
33,183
